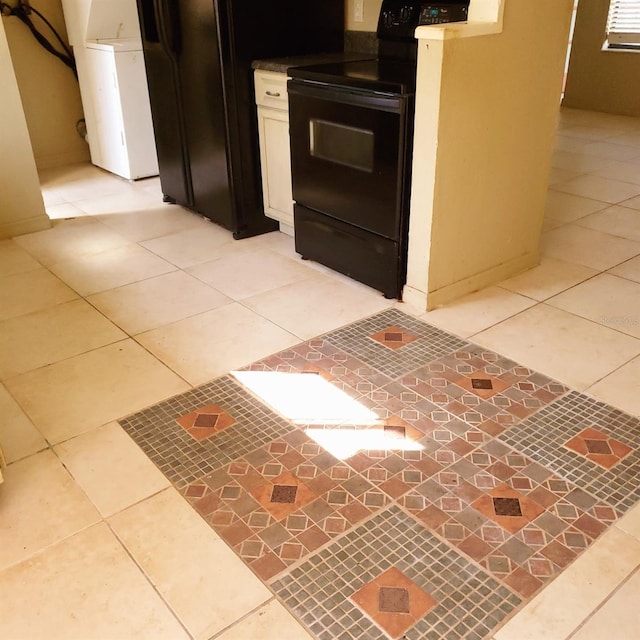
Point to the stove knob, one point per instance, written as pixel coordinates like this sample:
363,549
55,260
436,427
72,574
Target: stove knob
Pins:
405,14
387,18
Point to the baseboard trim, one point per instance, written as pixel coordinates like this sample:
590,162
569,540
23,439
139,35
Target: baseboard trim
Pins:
27,225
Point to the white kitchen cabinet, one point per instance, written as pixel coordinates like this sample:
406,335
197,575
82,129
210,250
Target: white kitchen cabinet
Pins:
275,156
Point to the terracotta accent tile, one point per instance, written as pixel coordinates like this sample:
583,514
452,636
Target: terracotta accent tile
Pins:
394,337
268,566
393,601
207,505
540,567
475,547
558,553
528,509
313,538
501,471
354,512
291,551
278,508
236,533
432,517
206,421
523,582
482,385
195,490
395,487
589,525
598,447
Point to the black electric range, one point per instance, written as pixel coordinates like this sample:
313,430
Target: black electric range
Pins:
351,128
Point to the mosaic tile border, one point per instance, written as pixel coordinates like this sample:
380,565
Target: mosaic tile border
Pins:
184,459
544,435
470,603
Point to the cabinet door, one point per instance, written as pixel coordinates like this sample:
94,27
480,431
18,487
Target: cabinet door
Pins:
276,164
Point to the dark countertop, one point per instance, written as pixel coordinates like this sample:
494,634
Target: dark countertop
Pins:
281,65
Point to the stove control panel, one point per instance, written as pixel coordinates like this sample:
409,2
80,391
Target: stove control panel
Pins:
439,13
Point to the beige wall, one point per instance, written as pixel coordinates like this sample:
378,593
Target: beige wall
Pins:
486,115
49,92
370,15
21,206
600,80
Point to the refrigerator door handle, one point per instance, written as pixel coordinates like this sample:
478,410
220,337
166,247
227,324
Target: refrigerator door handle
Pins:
168,16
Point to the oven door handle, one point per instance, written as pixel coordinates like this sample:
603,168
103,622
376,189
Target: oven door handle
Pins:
332,93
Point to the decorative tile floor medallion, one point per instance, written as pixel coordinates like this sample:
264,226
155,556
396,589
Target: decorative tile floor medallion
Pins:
454,486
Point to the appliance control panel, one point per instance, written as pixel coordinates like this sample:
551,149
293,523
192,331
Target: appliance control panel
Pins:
441,13
399,18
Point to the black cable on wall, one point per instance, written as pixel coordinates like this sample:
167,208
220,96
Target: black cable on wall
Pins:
22,11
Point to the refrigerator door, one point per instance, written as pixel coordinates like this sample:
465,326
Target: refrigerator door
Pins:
166,106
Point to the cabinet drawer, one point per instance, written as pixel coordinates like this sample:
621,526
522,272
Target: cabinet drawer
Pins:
271,89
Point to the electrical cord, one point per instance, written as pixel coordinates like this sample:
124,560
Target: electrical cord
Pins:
21,11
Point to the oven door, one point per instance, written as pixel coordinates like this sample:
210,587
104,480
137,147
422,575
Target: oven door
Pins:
348,154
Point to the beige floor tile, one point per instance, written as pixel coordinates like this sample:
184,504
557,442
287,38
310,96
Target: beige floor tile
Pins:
132,202
52,198
110,269
570,349
611,150
478,311
247,274
629,269
64,211
630,522
618,618
549,278
18,437
562,175
565,207
312,307
569,599
41,505
608,300
70,238
623,171
604,189
632,203
588,247
89,390
271,622
207,345
44,337
617,221
14,259
110,468
188,564
83,587
157,301
45,290
191,247
621,388
578,162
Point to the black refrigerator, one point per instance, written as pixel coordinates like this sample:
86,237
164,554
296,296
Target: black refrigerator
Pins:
198,56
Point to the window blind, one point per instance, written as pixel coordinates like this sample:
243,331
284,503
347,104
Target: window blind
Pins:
623,26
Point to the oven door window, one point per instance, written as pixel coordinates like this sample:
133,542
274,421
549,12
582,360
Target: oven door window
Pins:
348,146
348,160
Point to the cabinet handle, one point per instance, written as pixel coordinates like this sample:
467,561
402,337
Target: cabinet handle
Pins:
273,94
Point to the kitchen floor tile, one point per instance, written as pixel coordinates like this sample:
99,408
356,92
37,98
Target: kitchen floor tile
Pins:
549,278
604,189
606,299
558,610
620,388
247,274
41,505
18,437
45,290
620,610
236,337
110,269
271,622
110,468
92,389
14,259
578,162
554,340
311,307
566,207
176,550
630,522
632,203
562,175
159,301
588,247
622,171
610,149
85,586
64,211
617,221
191,247
44,337
629,269
67,238
478,311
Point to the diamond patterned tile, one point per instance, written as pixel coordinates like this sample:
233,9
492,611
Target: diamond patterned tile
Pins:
337,593
473,482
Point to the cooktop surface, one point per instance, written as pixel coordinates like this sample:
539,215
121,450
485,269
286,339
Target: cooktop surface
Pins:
384,75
